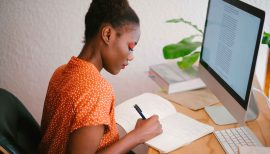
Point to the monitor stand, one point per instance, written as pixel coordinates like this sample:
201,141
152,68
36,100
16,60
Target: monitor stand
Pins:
221,116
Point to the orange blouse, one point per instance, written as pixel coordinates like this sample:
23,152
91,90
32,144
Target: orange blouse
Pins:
77,96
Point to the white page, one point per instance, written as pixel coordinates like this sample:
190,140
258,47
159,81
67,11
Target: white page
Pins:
178,130
150,104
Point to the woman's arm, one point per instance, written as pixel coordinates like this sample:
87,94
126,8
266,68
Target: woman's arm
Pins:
87,139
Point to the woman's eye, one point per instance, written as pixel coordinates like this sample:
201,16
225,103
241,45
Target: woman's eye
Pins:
130,49
131,46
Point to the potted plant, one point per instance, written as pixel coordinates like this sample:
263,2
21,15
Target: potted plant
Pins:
185,49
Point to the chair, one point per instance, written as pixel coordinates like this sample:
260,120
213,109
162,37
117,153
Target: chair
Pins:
19,132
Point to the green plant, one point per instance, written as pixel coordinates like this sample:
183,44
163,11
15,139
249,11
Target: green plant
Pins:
184,49
266,39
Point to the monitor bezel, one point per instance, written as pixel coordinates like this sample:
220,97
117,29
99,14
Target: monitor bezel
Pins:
253,11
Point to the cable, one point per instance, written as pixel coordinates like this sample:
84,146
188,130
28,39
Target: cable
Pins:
262,93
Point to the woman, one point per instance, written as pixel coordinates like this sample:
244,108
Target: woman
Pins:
78,114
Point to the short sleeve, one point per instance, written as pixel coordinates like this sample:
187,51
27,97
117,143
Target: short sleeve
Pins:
92,110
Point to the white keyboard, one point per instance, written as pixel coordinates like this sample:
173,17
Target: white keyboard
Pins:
231,139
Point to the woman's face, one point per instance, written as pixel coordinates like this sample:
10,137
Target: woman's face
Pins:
120,48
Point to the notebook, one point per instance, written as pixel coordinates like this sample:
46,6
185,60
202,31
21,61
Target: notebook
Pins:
178,129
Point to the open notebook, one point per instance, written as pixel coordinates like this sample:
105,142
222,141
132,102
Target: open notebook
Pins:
178,129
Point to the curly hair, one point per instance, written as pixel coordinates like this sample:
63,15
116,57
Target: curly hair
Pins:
114,12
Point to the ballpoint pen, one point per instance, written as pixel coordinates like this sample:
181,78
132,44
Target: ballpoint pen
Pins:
139,111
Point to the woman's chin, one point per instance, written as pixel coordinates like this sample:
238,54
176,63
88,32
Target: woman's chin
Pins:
114,72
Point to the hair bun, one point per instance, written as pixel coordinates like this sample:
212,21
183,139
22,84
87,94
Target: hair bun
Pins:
115,12
115,4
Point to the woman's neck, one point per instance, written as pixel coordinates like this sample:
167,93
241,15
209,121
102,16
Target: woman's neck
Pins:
91,53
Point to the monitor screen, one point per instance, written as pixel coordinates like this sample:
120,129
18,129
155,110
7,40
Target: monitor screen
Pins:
230,46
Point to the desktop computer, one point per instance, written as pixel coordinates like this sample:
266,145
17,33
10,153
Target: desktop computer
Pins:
230,46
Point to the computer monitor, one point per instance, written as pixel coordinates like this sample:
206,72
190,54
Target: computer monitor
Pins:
230,46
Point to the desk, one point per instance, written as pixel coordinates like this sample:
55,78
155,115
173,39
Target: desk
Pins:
209,144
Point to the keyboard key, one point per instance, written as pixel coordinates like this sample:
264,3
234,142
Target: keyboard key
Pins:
231,139
250,144
227,148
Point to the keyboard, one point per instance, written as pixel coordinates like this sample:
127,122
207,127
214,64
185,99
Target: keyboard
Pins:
231,139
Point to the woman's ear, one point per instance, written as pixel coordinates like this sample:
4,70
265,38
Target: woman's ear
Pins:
106,33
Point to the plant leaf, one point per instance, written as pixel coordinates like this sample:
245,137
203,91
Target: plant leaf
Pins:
177,20
266,34
266,39
181,49
174,20
188,39
189,60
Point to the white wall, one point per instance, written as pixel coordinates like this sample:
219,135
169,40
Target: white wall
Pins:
37,36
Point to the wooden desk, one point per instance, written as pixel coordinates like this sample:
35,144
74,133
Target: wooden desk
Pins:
209,144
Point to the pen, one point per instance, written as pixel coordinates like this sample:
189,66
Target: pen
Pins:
139,111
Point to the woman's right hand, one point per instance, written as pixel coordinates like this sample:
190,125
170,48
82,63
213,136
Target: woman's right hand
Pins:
148,128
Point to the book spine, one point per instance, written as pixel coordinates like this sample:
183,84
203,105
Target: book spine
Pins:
155,77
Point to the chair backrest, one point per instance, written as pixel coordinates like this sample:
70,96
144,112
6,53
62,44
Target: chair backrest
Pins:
19,132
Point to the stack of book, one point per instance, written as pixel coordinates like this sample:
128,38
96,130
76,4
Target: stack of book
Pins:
173,79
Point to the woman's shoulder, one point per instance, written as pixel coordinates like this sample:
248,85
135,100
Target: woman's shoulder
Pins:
91,82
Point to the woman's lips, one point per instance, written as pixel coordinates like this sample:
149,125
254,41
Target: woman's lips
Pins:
124,65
